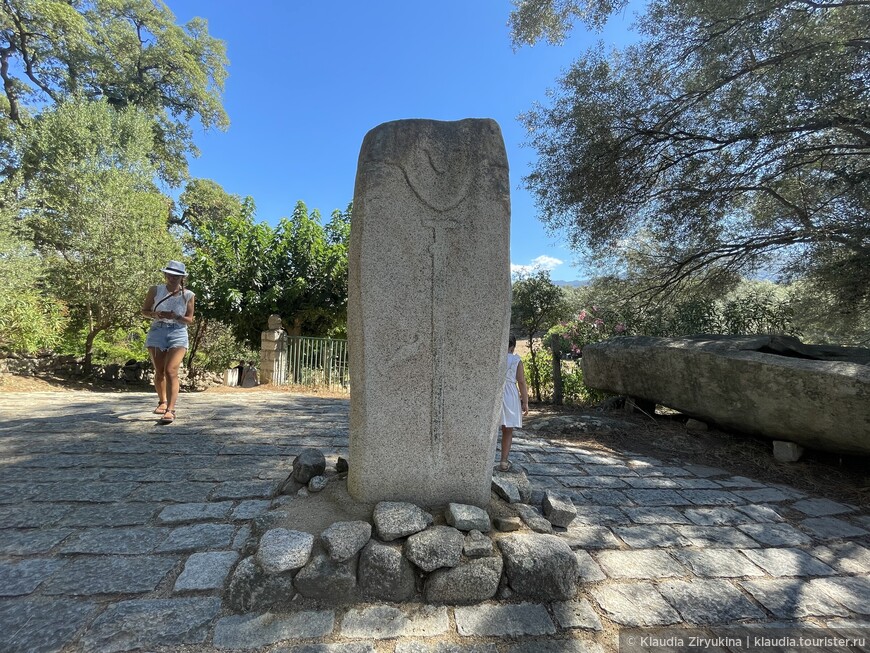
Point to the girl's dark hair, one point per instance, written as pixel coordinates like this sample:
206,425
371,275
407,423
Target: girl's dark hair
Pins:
512,341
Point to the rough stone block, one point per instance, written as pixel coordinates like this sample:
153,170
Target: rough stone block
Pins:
284,550
308,464
787,452
252,590
539,566
344,540
437,546
533,519
394,519
324,578
477,545
429,261
384,573
467,518
558,509
471,581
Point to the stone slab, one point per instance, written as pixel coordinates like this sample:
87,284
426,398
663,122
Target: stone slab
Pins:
589,537
27,542
258,630
387,622
776,534
198,537
187,512
431,225
709,601
656,515
588,570
138,624
576,614
718,563
38,626
24,576
831,528
793,598
125,541
120,514
851,591
645,564
651,536
721,537
206,571
415,646
109,575
634,604
848,557
819,507
503,620
788,562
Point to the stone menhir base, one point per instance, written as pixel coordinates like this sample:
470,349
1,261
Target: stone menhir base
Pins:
428,310
405,553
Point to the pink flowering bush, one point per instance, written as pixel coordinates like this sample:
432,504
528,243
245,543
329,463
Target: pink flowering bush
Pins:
589,325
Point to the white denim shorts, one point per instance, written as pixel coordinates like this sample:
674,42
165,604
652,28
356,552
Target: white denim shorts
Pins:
166,335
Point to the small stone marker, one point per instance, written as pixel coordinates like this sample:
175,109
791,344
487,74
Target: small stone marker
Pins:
428,310
787,452
558,509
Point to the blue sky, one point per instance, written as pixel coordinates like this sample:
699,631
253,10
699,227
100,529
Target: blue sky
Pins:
307,80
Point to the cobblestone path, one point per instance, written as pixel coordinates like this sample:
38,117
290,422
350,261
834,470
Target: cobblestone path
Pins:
117,534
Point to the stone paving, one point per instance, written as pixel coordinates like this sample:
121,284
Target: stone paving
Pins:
117,534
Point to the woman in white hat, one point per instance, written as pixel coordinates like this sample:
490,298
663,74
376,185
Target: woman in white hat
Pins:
170,308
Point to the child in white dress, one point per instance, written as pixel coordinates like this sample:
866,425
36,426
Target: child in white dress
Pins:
515,403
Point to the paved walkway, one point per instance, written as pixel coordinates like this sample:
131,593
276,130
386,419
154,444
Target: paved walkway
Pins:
117,534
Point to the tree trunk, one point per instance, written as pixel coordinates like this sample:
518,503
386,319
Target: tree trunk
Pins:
89,349
536,380
198,335
557,371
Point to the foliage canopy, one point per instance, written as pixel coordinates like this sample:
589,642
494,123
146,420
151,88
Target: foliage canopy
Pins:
733,137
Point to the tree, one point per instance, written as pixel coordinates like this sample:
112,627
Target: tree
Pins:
244,271
536,305
312,272
125,52
93,212
30,319
733,136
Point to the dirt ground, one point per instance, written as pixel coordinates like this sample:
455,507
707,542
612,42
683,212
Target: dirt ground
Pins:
664,436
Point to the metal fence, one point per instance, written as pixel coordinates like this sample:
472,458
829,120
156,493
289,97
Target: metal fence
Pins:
317,362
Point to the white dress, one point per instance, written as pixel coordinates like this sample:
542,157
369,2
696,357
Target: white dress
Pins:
511,411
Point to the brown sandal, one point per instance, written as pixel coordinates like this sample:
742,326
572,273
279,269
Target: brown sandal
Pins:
159,410
168,417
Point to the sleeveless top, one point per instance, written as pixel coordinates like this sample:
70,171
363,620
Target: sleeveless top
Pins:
176,304
513,361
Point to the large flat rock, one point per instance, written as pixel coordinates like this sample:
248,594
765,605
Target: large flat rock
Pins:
774,387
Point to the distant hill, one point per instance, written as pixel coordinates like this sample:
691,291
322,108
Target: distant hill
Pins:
575,284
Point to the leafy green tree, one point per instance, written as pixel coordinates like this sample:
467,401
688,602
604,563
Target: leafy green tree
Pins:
733,136
310,280
30,319
536,305
244,271
125,52
93,212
